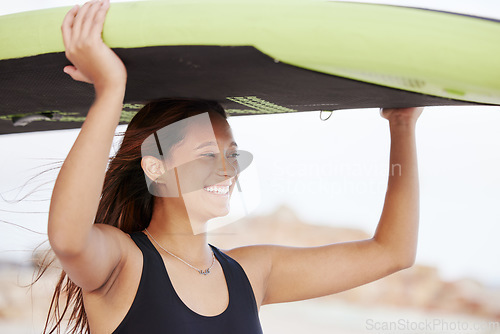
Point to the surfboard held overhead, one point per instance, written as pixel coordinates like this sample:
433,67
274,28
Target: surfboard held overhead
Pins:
295,55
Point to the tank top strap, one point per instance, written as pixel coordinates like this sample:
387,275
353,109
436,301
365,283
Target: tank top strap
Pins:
150,258
239,286
140,241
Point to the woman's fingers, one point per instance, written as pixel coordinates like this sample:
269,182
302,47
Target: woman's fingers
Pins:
92,60
401,114
76,75
77,24
89,20
99,19
67,25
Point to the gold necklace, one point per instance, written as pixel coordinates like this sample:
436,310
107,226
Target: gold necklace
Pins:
200,271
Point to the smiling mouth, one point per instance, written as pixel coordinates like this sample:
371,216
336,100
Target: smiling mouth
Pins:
217,190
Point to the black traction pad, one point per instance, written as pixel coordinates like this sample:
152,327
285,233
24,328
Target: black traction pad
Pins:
36,95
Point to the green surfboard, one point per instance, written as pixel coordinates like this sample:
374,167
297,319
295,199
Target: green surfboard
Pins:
254,57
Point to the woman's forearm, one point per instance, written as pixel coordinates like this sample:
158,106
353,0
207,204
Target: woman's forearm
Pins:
78,187
398,227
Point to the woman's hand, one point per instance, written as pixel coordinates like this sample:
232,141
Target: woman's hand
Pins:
93,61
401,115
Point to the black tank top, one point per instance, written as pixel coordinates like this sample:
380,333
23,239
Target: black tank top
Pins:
158,309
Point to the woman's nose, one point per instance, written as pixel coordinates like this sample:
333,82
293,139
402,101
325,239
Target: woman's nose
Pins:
227,167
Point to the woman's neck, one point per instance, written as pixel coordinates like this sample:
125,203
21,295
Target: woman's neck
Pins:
175,231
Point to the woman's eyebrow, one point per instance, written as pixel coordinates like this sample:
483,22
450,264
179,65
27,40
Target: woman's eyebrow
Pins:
205,144
212,143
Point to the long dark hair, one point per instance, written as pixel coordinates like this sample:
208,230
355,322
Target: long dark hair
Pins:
125,201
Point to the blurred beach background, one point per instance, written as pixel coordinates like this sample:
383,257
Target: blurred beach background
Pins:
320,182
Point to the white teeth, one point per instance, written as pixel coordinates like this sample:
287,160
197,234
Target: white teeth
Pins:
220,190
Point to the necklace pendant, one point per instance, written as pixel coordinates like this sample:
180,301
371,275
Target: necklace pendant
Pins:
202,272
205,272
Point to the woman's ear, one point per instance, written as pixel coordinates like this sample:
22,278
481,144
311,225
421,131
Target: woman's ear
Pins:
152,167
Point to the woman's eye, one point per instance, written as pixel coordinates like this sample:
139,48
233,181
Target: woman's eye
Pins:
214,155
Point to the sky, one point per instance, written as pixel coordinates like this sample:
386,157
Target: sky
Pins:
330,172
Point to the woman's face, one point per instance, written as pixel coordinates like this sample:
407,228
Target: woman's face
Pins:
204,166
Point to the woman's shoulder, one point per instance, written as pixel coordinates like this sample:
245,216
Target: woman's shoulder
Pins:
130,259
114,234
256,254
113,300
254,260
256,263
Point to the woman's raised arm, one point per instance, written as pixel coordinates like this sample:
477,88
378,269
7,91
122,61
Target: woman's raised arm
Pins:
292,273
88,252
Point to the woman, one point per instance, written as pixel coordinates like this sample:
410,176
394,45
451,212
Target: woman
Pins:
146,266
